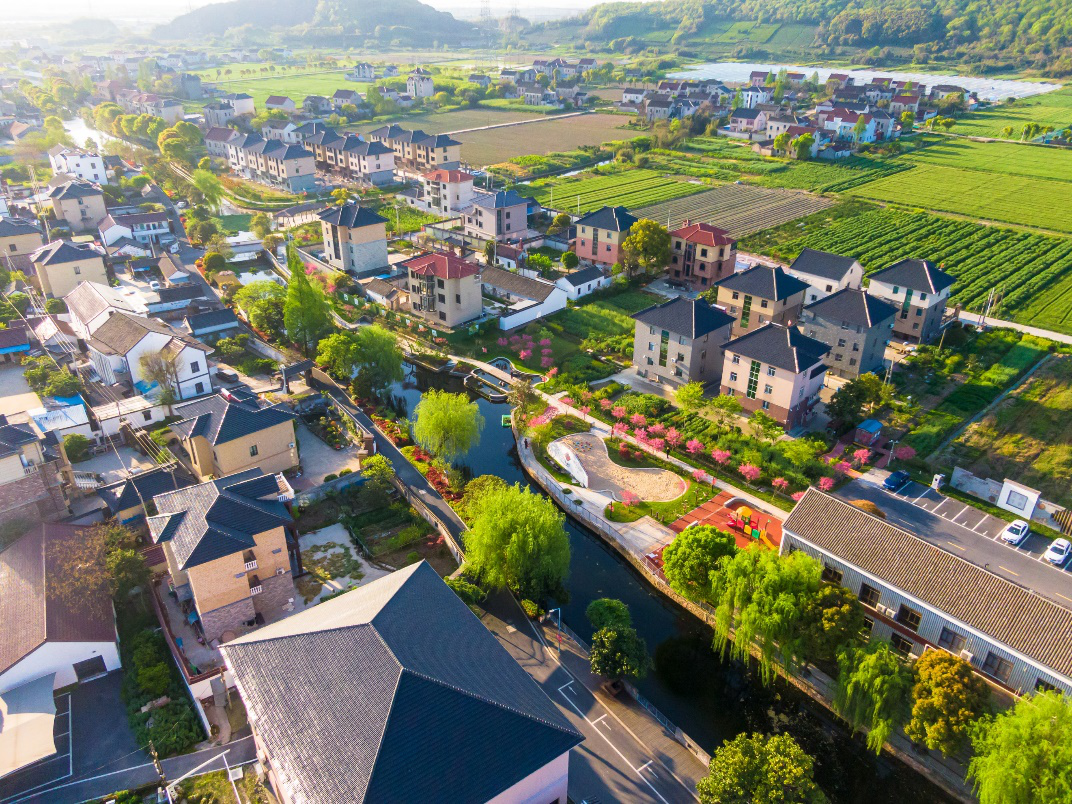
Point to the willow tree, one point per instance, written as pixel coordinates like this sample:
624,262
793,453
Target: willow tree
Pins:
762,598
447,425
306,314
691,560
874,689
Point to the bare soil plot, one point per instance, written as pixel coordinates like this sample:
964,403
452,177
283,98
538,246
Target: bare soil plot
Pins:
653,485
549,134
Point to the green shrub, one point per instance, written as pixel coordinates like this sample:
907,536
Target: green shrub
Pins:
346,472
470,593
76,446
412,557
532,611
329,478
154,680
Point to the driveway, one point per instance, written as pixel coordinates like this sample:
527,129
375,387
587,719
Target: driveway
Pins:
115,467
318,459
15,395
967,532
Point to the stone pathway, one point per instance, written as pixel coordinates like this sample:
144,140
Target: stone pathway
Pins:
651,484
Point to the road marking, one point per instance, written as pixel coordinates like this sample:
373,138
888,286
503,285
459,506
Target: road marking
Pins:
924,492
567,684
966,510
599,718
1069,599
954,544
981,521
644,765
1017,574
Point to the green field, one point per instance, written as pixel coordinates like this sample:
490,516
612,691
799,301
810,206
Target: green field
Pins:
1034,271
756,33
631,189
1035,161
1051,109
456,120
793,36
295,87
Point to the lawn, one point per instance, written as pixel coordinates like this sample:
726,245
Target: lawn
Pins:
294,85
235,223
550,134
1033,271
1049,109
1028,437
402,218
589,191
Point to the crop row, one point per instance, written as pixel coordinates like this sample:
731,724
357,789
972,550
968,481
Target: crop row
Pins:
739,209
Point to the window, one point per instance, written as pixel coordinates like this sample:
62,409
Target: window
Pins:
771,372
77,270
766,405
841,342
768,388
753,380
837,357
703,252
852,361
896,290
908,617
439,283
199,388
869,595
650,362
951,640
736,359
651,330
901,645
442,298
1045,686
253,451
195,367
736,295
869,626
923,297
680,357
831,574
442,316
997,667
457,298
733,376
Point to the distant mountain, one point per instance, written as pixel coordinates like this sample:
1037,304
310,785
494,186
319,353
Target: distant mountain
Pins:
400,21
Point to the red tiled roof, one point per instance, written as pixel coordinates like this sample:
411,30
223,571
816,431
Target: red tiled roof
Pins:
703,233
448,176
442,266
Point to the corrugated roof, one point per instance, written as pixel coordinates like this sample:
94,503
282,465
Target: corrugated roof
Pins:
692,318
1008,613
423,703
777,345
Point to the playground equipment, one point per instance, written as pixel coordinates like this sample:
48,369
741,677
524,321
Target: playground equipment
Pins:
749,522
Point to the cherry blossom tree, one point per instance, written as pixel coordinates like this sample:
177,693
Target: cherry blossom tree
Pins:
797,496
673,437
618,412
502,341
640,434
629,499
606,404
842,467
720,456
638,420
860,456
780,483
618,430
585,410
700,476
750,472
826,483
525,354
692,446
658,444
657,429
567,401
904,453
552,372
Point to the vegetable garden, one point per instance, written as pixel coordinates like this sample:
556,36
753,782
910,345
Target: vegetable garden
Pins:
737,208
630,189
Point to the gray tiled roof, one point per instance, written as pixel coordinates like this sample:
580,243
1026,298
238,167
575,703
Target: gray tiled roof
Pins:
823,264
219,420
765,282
1004,611
614,219
60,251
692,318
13,436
498,200
351,215
75,189
583,276
122,332
213,318
919,275
852,306
394,691
217,518
516,284
785,347
143,486
10,227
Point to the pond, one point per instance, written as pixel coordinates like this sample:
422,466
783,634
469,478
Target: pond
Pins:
709,699
80,132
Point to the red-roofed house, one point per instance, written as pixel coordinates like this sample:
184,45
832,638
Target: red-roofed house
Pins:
447,192
444,290
902,103
280,103
701,255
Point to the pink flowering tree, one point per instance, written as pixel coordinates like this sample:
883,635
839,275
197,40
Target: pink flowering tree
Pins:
638,420
826,483
545,341
545,351
658,444
860,456
657,429
781,484
693,446
797,496
567,401
514,339
606,404
673,438
586,394
720,456
904,453
699,475
750,472
618,430
585,410
502,341
552,372
545,362
525,354
843,468
550,412
629,499
618,412
640,434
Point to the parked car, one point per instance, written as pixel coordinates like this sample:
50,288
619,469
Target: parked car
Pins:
896,480
1058,552
227,375
155,285
1016,532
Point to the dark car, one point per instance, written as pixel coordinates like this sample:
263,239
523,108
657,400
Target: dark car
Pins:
896,480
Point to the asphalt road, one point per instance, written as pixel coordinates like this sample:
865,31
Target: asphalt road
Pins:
968,532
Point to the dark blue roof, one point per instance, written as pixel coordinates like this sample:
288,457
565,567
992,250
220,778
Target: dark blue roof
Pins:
220,420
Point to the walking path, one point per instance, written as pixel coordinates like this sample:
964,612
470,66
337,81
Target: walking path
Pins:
543,119
975,318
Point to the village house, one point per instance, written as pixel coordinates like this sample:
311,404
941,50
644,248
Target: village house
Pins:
422,651
419,84
446,192
128,500
857,328
528,298
62,264
581,282
217,138
355,239
212,325
701,255
242,103
228,545
223,434
657,108
91,303
919,291
316,104
751,97
116,349
272,162
497,215
600,234
417,150
928,598
79,205
760,78
480,80
345,97
744,121
298,214
386,294
280,103
19,239
31,481
144,227
760,295
218,114
634,95
523,76
680,341
904,103
282,130
444,290
351,156
777,369
78,164
825,273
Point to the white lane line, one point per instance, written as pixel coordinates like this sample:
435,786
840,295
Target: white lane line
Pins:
644,765
567,684
924,492
966,510
981,521
616,751
594,722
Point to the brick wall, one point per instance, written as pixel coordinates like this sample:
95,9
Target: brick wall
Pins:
276,592
227,618
35,497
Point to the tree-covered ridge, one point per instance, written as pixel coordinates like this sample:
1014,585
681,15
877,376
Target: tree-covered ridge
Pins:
1027,33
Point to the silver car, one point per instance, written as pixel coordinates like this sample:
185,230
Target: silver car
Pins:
1015,532
1058,552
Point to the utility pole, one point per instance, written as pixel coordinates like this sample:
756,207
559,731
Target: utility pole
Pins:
156,764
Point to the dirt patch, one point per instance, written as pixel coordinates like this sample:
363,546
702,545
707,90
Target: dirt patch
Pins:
432,549
654,485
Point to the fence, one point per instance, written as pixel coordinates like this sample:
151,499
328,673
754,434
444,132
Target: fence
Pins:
319,492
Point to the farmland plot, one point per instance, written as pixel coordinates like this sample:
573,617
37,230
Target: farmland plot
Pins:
739,209
1049,109
629,189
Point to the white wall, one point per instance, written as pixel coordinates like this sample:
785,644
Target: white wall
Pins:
585,289
552,304
58,658
543,786
110,425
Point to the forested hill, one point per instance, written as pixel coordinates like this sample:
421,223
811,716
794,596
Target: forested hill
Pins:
400,21
990,33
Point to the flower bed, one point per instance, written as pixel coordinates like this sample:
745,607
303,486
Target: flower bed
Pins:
392,429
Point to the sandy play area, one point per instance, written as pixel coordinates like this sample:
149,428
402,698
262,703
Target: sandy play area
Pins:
653,485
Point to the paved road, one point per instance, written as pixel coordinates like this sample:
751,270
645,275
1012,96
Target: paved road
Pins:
968,532
974,318
610,765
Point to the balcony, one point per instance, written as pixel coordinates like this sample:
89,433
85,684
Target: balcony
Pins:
249,561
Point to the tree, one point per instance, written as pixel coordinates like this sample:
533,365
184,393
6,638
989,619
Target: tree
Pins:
305,312
1024,754
560,222
760,769
475,490
337,353
55,306
62,383
489,253
214,262
723,408
161,368
859,129
260,225
522,396
833,622
946,701
908,119
378,360
765,427
103,558
75,445
802,146
852,399
248,296
447,425
691,560
607,612
690,396
570,260
209,187
618,652
781,142
762,598
873,691
518,540
646,248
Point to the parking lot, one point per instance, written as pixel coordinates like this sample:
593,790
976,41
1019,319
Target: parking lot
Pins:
966,531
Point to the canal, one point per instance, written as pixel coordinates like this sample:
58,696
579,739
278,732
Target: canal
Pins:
709,699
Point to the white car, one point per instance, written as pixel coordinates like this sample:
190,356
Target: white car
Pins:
1016,532
155,285
1058,552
